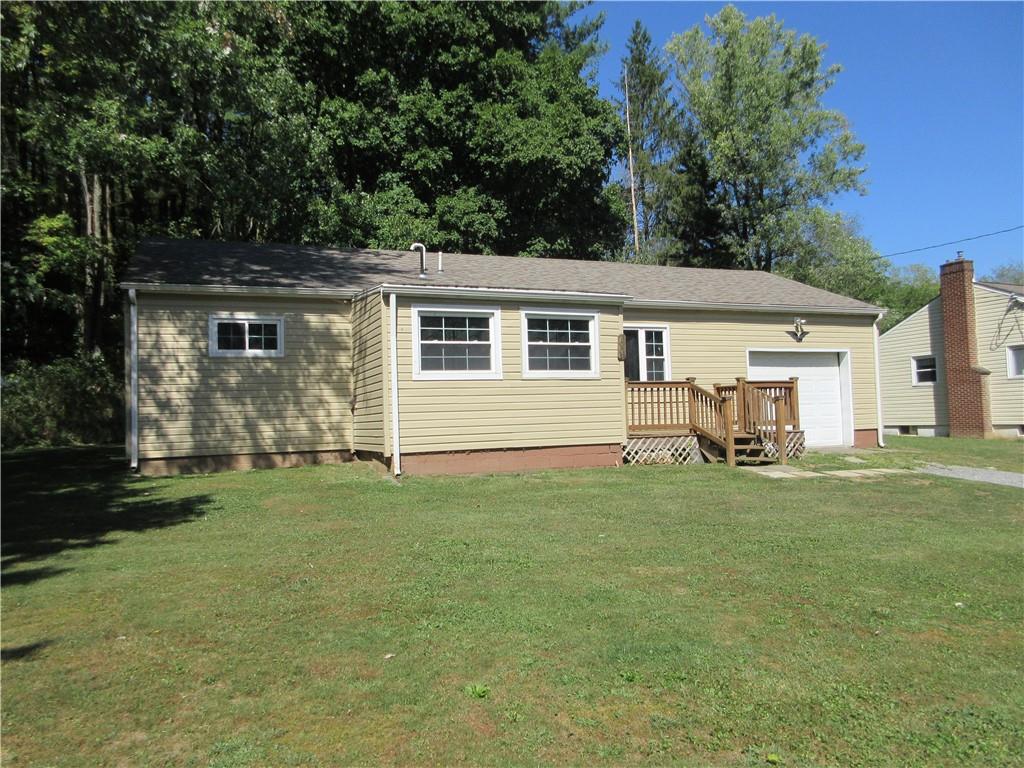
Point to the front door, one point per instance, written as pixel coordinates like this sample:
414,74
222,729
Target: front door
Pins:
646,354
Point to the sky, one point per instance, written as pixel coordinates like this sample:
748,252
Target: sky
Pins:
935,91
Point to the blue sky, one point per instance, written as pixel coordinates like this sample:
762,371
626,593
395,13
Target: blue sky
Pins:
935,91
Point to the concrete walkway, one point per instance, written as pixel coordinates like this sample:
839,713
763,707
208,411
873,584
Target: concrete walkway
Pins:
789,472
1013,479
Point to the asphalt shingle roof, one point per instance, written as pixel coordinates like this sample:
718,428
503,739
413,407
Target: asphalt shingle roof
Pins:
212,263
1005,287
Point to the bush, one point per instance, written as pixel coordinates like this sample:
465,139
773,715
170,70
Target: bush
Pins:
71,401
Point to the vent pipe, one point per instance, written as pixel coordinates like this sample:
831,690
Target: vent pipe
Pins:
440,261
423,257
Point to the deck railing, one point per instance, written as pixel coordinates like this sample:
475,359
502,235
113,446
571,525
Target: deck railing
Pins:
761,408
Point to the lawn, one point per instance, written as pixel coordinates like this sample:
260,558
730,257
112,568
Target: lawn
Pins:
648,615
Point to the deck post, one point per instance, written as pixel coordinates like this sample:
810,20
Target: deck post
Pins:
741,404
780,429
794,402
730,440
690,401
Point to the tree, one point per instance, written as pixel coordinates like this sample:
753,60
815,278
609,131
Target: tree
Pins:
905,291
755,139
650,122
1011,272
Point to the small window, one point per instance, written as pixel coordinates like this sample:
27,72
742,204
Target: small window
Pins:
560,344
924,370
1015,361
245,336
456,343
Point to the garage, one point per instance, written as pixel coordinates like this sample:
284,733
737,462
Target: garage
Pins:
823,387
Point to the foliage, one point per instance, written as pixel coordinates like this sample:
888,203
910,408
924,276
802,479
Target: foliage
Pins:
244,618
469,126
67,402
906,290
1011,272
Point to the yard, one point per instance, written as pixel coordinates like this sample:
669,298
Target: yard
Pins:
327,615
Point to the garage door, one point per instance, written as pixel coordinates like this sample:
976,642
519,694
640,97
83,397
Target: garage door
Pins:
821,395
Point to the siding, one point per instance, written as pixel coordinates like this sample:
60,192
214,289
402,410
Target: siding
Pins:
191,404
998,325
368,351
512,412
903,402
712,346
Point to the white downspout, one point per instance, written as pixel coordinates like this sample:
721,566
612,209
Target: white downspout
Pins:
878,387
133,390
396,451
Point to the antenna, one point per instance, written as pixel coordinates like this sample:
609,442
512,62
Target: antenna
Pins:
632,184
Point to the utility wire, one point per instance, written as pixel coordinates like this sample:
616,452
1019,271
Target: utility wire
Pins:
952,242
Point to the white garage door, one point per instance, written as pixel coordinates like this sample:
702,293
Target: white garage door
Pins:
821,395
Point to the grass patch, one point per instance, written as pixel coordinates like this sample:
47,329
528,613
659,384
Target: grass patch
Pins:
911,452
647,615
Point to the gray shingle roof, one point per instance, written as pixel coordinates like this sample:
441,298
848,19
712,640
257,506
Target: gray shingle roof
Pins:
1004,287
249,265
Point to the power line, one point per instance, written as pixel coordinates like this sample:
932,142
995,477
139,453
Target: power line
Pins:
952,242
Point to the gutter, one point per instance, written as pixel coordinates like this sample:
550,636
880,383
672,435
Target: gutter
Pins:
878,383
396,448
809,310
133,387
511,293
342,293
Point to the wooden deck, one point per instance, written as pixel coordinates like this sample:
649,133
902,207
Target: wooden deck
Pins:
740,421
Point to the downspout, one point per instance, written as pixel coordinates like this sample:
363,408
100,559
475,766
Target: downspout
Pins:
133,388
878,387
396,451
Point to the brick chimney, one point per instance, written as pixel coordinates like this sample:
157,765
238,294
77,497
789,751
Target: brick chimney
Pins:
966,381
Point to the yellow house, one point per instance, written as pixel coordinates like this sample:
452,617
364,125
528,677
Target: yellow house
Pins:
242,355
956,366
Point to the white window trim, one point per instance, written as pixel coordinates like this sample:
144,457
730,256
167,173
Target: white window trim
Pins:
220,317
476,310
913,371
592,317
643,355
1009,368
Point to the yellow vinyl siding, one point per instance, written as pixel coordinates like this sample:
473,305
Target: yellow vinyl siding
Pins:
513,412
368,353
998,326
712,346
903,402
191,404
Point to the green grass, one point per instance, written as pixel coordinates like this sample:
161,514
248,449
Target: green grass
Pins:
911,452
651,615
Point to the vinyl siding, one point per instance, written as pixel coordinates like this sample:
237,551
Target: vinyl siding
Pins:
513,412
191,404
712,346
903,402
998,326
368,352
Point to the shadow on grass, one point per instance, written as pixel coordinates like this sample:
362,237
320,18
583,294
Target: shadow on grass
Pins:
73,498
19,652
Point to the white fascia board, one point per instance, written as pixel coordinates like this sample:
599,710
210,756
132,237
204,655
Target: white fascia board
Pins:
770,308
439,291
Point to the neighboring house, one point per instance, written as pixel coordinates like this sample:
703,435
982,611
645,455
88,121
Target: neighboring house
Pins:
260,355
956,366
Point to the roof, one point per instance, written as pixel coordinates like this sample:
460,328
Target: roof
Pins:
1004,287
310,269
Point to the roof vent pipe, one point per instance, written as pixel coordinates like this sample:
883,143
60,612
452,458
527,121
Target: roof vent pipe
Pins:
440,261
423,257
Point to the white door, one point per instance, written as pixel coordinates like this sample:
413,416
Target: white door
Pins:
820,390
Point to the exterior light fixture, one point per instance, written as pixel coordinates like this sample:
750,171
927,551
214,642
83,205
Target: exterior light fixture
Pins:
799,333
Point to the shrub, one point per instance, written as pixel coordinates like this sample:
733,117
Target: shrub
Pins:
70,401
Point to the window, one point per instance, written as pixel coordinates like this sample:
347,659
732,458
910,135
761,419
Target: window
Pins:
1015,361
647,354
246,336
456,343
924,370
560,344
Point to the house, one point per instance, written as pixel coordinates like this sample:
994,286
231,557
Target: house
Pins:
242,355
956,366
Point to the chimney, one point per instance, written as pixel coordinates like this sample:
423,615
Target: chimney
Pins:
966,381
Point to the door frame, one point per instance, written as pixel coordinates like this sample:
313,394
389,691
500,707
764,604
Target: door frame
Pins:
664,328
845,380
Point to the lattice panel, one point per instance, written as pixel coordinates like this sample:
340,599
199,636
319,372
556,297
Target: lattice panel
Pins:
676,449
796,444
